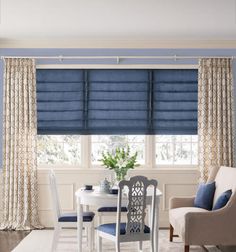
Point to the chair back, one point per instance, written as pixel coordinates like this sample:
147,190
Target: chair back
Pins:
137,205
225,180
54,194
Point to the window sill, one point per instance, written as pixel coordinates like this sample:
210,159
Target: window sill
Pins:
177,167
147,170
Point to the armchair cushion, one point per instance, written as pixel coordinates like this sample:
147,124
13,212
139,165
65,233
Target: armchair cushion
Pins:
222,200
205,195
177,218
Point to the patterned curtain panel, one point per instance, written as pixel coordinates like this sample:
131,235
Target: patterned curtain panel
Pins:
215,116
19,146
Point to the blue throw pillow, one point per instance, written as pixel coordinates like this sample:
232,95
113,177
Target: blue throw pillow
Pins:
222,200
205,195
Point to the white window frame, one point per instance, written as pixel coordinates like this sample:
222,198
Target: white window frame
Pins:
150,141
172,166
142,166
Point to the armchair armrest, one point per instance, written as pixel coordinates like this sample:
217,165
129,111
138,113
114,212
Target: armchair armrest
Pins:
181,202
219,227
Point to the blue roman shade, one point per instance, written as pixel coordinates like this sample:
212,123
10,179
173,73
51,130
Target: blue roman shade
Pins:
60,101
117,101
175,102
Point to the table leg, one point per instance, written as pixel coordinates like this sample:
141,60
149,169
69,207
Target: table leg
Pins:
156,233
79,224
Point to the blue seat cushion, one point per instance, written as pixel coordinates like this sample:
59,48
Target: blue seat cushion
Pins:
72,217
222,200
205,195
111,209
110,228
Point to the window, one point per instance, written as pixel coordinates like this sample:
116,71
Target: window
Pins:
117,107
102,143
176,149
59,149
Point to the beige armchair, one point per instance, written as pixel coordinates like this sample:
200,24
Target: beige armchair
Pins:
198,226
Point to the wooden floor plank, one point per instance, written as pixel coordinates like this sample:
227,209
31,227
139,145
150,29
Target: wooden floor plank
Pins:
10,239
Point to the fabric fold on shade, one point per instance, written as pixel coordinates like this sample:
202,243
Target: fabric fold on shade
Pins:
117,101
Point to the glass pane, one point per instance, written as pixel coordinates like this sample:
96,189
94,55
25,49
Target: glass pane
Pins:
182,154
177,139
137,139
194,153
195,138
111,142
164,153
63,149
186,139
177,150
164,138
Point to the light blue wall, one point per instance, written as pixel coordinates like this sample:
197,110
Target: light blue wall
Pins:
111,52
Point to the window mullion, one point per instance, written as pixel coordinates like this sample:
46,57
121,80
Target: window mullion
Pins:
150,151
85,152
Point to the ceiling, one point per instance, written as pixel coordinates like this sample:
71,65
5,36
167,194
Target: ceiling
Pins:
64,20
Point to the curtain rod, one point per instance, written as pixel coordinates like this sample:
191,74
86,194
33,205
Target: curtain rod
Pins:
117,58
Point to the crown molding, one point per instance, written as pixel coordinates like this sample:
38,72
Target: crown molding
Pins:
118,43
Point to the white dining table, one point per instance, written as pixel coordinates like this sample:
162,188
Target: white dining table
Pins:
95,198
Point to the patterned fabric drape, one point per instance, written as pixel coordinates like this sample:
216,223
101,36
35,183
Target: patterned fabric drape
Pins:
215,116
20,197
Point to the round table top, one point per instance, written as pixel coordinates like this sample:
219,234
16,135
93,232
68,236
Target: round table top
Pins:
97,198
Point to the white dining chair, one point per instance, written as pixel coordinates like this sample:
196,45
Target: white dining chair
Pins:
106,212
68,220
134,229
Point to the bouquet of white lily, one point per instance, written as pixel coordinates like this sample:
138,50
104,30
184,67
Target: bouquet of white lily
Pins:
121,161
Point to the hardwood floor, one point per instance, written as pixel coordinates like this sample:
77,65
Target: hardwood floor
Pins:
10,239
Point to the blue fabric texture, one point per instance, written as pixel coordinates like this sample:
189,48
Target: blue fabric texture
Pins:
60,101
111,209
175,101
117,101
110,228
205,195
72,217
222,200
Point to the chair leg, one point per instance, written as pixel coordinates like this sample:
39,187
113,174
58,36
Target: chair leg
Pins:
186,248
87,235
55,238
117,247
99,219
90,239
99,243
140,246
92,235
152,243
171,233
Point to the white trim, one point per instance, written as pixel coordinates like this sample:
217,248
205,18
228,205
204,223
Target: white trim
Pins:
85,151
117,43
145,169
149,152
